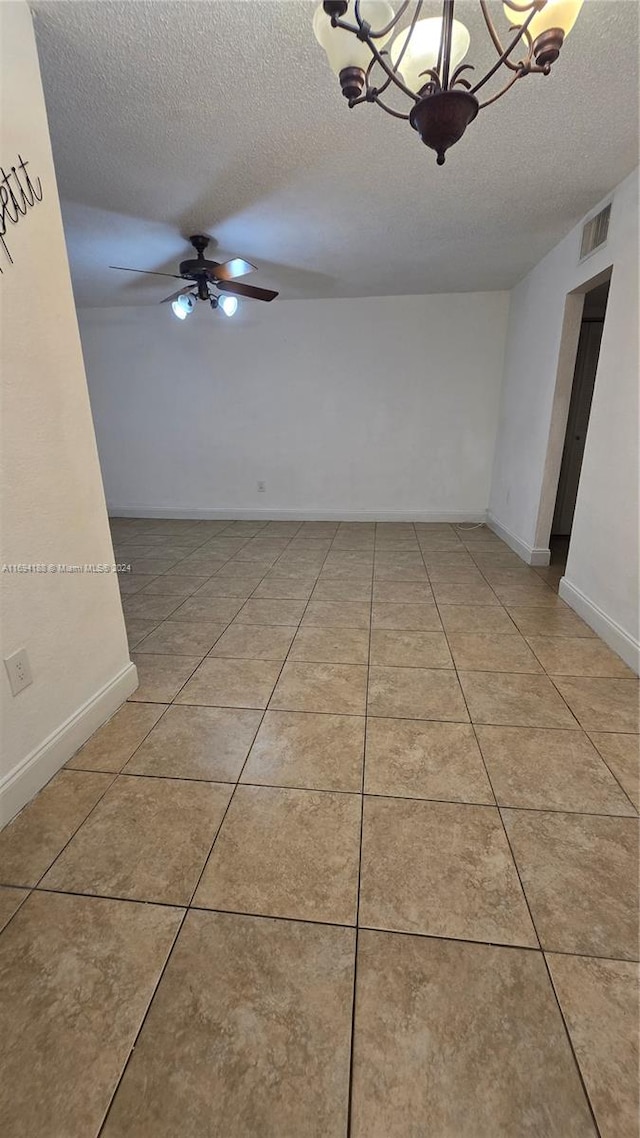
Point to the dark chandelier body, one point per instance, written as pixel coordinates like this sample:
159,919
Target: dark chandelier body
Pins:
424,61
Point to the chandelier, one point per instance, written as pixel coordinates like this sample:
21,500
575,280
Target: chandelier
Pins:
424,60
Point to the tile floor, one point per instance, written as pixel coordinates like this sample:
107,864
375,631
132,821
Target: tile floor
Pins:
358,857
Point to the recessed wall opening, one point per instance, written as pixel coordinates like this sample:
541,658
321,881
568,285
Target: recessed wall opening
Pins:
584,376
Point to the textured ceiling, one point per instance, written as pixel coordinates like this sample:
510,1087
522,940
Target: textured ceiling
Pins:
222,116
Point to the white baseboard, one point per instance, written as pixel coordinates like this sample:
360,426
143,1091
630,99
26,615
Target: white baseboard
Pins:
532,555
328,515
627,647
31,773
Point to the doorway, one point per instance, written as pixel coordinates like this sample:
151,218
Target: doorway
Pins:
584,376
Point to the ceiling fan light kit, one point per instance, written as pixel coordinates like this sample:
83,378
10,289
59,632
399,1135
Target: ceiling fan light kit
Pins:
373,58
204,276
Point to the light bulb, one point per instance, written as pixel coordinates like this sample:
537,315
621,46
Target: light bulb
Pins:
183,306
344,49
228,304
423,48
560,14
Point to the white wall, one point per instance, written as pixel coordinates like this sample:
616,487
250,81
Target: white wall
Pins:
52,501
602,572
381,407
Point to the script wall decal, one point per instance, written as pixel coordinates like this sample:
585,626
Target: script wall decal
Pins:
18,194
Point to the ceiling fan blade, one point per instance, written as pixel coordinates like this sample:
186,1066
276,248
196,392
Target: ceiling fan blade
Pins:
232,269
180,292
148,272
247,290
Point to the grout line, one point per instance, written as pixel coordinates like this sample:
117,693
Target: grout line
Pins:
367,794
359,880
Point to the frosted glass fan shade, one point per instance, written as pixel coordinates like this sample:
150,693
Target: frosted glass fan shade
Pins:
555,14
423,48
344,49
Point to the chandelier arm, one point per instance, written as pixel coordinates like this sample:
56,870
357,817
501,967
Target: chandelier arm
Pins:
337,23
414,20
507,87
494,35
507,51
390,111
388,27
536,5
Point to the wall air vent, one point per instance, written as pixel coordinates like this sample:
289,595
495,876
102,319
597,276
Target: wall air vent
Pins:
594,233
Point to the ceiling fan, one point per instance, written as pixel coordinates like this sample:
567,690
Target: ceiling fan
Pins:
204,276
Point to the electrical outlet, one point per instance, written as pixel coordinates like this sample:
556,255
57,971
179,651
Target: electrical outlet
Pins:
18,670
262,486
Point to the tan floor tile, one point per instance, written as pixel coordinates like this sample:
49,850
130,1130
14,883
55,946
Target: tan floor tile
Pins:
208,743
336,688
442,869
389,572
148,841
599,999
463,593
505,575
154,565
286,853
232,683
284,589
190,567
161,677
130,583
516,700
419,759
416,693
481,619
346,574
549,770
10,901
402,592
271,612
492,652
342,591
350,557
181,638
338,614
175,586
601,704
453,557
255,642
262,1009
34,838
460,1041
621,753
113,744
535,594
579,873
146,607
233,588
138,629
456,575
214,610
76,977
391,560
577,656
410,649
331,645
405,617
300,749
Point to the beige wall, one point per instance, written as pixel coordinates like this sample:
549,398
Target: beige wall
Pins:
601,580
52,502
